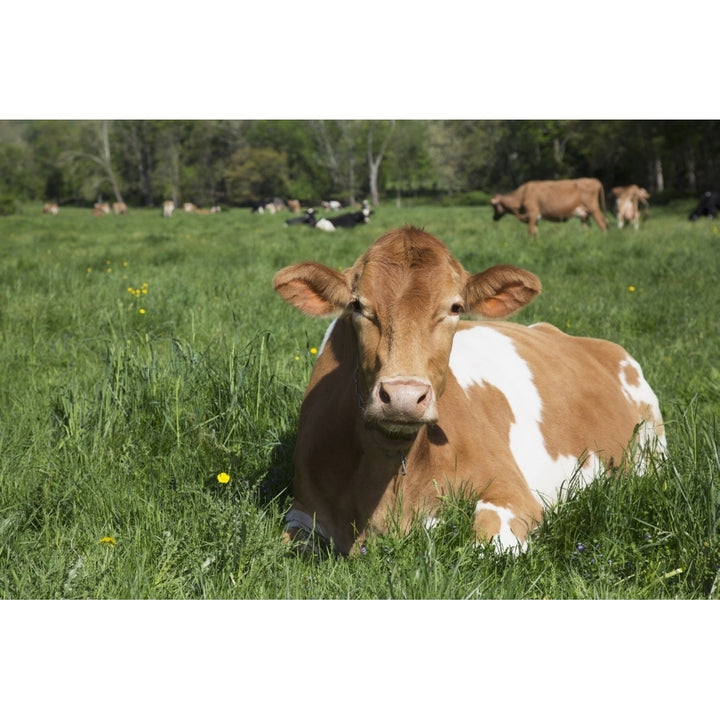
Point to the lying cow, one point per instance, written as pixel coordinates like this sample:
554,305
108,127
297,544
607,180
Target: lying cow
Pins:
553,200
119,208
407,402
307,219
709,206
628,199
347,221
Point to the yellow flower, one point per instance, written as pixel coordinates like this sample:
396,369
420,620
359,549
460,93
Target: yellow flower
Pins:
313,351
223,478
631,288
107,541
141,311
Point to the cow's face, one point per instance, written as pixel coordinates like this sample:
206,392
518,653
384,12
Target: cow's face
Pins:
404,298
498,208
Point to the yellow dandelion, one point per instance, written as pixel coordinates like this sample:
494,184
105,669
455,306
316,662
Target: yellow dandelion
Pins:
313,351
107,540
141,311
631,288
223,478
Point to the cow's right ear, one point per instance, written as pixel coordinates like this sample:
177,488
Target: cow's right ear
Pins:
500,291
313,288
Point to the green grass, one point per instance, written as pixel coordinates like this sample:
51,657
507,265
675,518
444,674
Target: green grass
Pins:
114,423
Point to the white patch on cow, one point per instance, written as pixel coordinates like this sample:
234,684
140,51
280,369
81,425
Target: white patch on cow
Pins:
483,355
642,395
331,327
506,538
324,224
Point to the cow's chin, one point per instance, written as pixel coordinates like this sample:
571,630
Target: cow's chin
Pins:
395,436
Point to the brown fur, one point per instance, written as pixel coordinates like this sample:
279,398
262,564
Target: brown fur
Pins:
553,200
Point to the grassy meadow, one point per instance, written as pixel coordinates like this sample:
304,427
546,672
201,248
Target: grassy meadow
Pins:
143,358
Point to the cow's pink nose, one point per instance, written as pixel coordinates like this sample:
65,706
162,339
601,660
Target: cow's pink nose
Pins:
405,400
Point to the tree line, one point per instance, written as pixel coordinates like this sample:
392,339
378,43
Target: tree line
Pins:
238,162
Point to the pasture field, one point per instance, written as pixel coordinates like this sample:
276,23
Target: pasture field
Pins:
143,358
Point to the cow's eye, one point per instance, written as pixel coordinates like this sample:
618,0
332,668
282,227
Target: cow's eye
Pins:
456,309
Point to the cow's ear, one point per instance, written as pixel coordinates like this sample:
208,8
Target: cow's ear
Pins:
500,291
313,288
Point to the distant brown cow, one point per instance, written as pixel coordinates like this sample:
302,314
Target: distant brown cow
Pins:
553,200
119,208
294,206
168,208
104,208
51,209
628,199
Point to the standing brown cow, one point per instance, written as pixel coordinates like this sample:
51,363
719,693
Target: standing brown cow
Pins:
553,200
628,199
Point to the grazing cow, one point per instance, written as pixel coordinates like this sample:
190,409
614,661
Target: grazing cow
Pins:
553,200
407,402
189,207
628,199
708,206
119,208
168,208
102,207
50,209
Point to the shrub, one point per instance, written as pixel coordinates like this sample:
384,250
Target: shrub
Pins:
9,205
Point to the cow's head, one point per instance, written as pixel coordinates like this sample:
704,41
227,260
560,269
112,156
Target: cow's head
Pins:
499,208
404,296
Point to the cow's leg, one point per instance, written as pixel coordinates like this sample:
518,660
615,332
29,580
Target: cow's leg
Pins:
620,221
532,225
507,518
503,525
599,219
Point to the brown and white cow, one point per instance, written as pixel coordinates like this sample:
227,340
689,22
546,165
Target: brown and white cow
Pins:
553,200
628,199
119,208
168,208
407,401
51,209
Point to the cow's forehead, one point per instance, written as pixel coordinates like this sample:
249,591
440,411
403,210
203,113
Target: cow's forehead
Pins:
407,257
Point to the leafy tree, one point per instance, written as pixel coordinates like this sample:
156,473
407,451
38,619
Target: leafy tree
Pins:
255,174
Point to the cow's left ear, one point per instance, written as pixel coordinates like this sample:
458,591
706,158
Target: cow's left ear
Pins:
500,291
313,288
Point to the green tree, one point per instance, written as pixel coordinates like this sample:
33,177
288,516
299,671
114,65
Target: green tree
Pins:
255,174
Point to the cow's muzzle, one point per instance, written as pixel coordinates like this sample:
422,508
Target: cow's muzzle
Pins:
400,407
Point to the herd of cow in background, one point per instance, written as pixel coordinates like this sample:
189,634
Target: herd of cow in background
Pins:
557,200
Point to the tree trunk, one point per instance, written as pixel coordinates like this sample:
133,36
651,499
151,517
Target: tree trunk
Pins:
375,160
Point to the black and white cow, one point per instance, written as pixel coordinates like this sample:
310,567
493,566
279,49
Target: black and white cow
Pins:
348,221
307,219
709,206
